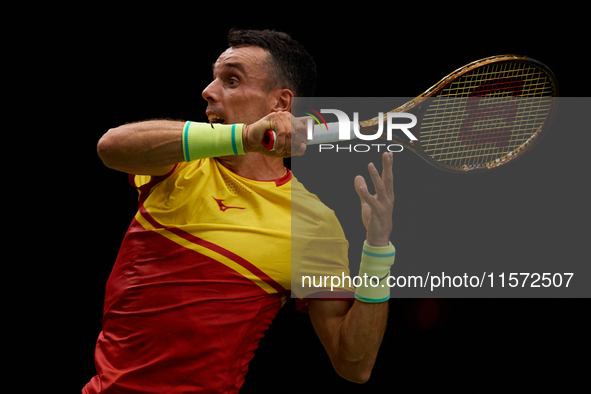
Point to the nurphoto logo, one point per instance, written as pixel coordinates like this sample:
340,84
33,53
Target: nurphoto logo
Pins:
344,130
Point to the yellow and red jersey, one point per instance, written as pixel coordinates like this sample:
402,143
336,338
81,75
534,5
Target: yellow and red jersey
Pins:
204,267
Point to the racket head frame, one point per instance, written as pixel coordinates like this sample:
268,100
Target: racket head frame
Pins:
420,105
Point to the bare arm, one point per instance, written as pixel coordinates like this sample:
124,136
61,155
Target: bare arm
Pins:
144,148
153,147
352,331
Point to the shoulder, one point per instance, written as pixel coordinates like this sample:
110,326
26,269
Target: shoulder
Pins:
309,213
305,202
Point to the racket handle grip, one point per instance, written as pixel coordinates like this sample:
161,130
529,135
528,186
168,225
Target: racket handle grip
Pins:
269,139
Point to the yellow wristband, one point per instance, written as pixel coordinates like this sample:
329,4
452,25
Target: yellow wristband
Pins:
202,140
374,270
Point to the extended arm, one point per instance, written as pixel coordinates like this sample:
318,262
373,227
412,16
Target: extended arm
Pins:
352,331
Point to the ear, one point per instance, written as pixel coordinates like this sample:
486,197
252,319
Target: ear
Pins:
284,100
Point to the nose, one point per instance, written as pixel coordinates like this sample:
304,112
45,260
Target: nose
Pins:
210,92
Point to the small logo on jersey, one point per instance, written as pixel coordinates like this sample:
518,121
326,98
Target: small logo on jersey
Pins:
224,207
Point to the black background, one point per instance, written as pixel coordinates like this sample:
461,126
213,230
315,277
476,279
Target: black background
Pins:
95,68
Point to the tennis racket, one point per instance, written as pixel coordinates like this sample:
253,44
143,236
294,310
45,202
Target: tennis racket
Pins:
479,117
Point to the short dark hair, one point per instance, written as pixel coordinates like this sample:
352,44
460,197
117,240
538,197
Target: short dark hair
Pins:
292,66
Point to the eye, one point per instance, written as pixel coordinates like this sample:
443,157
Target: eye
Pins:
232,81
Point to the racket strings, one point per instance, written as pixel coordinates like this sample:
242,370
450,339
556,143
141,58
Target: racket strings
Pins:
538,84
486,115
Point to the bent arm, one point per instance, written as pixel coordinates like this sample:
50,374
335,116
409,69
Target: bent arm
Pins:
351,332
154,147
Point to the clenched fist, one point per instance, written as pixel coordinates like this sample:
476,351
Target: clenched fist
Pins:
291,135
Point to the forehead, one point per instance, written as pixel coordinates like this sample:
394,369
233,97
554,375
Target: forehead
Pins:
247,59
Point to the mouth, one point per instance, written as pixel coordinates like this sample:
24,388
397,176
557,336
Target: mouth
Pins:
213,118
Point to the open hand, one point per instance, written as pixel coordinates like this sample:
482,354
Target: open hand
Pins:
376,210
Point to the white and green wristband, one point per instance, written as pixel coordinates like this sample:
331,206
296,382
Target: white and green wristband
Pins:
376,262
202,140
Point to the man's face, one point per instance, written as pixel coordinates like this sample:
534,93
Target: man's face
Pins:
238,93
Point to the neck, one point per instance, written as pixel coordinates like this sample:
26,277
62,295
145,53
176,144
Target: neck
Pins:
255,166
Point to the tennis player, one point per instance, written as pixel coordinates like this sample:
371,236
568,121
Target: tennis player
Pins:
207,260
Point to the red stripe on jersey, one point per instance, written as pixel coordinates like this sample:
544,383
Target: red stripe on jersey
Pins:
216,248
176,320
144,190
